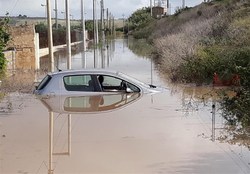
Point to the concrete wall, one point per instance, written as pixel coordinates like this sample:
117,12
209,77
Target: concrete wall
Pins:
23,42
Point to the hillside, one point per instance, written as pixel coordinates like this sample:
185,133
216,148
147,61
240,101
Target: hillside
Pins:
196,42
209,44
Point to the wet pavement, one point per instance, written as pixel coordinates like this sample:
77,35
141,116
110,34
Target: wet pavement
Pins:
171,132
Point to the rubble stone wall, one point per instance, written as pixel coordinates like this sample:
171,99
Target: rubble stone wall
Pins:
23,42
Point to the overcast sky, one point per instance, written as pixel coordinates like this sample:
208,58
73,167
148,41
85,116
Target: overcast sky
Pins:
33,8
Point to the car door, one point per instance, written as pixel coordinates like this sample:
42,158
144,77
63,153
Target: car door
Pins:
82,84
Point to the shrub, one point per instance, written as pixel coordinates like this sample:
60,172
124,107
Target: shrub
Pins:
4,38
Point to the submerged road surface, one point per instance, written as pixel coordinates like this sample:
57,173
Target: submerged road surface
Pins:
170,132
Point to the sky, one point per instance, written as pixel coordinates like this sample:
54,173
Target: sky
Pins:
118,8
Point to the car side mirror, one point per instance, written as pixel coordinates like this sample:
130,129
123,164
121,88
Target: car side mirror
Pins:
128,90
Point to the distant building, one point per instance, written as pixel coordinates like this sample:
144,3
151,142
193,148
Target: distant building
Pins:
157,12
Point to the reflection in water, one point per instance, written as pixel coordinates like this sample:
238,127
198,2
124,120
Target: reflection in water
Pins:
140,47
83,104
195,99
89,104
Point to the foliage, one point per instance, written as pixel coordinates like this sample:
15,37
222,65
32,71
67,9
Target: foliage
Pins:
140,18
4,38
145,32
140,23
236,110
225,61
58,34
89,25
211,38
41,28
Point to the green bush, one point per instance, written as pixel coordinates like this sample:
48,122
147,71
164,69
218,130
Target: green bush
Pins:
225,61
4,38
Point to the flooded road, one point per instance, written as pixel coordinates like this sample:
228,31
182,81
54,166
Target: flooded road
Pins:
176,131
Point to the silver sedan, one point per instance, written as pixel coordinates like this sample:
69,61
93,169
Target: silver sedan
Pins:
91,82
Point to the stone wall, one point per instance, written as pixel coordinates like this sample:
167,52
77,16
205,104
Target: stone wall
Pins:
23,42
10,56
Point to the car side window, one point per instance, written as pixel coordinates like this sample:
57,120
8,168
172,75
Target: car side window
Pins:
110,83
78,83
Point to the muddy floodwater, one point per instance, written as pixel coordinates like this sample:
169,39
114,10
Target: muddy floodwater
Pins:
176,131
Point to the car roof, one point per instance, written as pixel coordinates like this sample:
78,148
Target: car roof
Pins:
88,71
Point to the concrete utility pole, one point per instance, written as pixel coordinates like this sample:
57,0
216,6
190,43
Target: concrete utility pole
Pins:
83,33
113,23
94,34
123,21
102,21
107,18
96,24
151,13
50,37
68,38
183,4
56,14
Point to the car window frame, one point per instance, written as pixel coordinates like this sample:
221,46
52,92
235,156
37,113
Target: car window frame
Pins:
44,82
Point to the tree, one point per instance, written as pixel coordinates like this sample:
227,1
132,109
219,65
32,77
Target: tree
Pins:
140,18
4,38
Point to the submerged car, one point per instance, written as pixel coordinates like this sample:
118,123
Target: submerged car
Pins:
91,82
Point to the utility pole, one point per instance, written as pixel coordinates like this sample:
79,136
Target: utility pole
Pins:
96,21
56,14
183,3
113,23
110,23
123,22
68,38
83,33
151,12
167,6
94,34
107,18
102,21
50,37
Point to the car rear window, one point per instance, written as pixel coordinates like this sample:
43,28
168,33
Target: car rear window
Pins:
44,82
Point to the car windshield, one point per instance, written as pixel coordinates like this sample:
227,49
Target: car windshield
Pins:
133,80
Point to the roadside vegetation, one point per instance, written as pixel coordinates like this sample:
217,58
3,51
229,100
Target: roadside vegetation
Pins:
195,43
211,38
59,34
140,22
4,38
198,42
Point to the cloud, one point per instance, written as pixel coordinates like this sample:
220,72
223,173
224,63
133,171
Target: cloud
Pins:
33,8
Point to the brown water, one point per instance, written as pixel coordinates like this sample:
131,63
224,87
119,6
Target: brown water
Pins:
170,132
